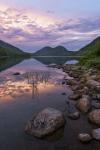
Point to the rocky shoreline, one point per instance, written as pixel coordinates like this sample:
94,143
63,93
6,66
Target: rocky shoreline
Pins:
85,98
85,85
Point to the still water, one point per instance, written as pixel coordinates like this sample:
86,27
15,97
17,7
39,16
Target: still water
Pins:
21,96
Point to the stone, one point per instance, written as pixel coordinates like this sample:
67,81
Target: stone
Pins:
16,73
63,93
96,104
75,96
96,134
45,122
72,112
94,116
84,137
84,104
74,115
71,82
93,84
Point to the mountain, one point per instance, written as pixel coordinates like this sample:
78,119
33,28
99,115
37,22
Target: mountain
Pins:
91,54
9,50
49,51
92,47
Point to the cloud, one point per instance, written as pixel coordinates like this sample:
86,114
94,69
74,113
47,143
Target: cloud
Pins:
35,29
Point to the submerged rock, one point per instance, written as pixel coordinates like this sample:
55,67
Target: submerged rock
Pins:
45,122
84,137
94,116
63,93
16,73
84,104
96,134
72,112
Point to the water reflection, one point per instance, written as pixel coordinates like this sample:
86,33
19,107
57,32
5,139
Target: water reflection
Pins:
35,78
30,83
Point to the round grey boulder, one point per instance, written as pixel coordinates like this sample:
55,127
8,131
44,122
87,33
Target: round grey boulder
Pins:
96,134
45,122
84,104
84,137
94,116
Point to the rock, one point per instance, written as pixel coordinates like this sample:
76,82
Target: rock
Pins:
63,93
84,104
93,84
85,90
74,115
75,96
71,82
63,82
98,97
74,88
16,73
96,104
96,134
94,116
84,137
45,122
95,96
72,112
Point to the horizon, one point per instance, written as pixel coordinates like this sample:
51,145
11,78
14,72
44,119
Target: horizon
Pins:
31,26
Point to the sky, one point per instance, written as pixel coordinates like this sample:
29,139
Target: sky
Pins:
33,24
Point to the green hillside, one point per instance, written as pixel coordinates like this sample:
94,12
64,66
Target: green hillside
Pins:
91,54
9,50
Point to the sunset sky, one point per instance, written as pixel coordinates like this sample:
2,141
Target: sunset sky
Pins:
33,24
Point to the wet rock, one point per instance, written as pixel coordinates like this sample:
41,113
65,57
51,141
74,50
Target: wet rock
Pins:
63,82
94,116
85,90
96,96
16,73
63,93
96,134
74,115
84,104
96,104
74,88
45,122
71,82
75,96
84,137
93,84
72,112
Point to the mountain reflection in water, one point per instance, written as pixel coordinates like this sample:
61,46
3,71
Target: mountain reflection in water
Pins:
35,78
30,83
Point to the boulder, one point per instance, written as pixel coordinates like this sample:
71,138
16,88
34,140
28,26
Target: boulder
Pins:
96,134
71,82
84,137
45,122
72,112
74,115
93,84
96,104
75,96
84,104
16,73
94,116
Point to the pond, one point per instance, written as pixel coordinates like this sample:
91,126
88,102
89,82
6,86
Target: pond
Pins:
27,87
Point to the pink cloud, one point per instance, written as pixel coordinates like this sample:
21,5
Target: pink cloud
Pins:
34,29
